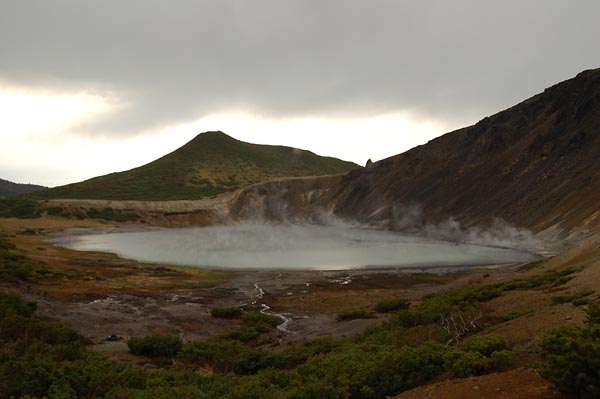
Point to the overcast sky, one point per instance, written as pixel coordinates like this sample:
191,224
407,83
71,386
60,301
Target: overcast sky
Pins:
92,87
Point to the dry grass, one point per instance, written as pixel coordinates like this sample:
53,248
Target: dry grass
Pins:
78,275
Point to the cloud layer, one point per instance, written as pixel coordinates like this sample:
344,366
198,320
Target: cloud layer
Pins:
296,72
177,61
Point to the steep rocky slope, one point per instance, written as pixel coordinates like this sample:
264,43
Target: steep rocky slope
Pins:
536,164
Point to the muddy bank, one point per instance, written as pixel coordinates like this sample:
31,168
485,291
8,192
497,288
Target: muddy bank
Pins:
102,295
308,301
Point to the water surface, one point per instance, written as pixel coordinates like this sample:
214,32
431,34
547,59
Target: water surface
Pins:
291,247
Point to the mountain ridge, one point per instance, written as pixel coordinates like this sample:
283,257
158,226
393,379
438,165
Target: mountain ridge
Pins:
536,164
210,164
524,164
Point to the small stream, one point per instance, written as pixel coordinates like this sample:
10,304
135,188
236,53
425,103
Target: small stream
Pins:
266,309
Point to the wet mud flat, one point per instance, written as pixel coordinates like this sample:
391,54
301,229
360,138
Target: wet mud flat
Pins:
307,301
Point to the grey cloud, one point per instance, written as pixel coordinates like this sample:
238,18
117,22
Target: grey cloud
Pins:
179,60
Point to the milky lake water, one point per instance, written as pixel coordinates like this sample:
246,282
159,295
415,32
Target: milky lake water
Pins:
291,247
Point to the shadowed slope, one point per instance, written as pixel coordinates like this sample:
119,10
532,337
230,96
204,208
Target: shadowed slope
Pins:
535,164
10,189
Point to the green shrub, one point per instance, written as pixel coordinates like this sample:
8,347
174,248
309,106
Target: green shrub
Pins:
226,313
507,316
55,211
572,360
466,364
405,368
247,334
577,298
16,304
551,279
435,306
352,315
414,317
14,265
502,358
572,357
18,208
593,312
111,214
227,356
485,344
479,354
261,318
6,245
155,345
581,301
392,305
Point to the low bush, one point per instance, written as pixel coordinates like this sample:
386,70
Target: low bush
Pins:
226,313
55,211
552,279
352,315
14,265
466,364
577,298
18,208
435,306
479,354
593,313
392,305
248,333
112,215
507,316
502,358
17,305
155,345
6,245
261,318
226,356
572,357
485,344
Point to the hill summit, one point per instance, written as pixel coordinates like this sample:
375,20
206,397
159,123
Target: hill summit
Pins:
210,164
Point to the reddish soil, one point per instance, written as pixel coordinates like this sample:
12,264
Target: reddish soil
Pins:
514,384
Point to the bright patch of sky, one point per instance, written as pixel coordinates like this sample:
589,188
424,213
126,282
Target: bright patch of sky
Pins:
43,144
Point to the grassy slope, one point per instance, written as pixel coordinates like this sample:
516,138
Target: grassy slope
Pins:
210,164
10,189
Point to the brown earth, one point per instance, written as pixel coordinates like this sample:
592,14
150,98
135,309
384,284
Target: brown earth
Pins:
99,294
522,383
536,164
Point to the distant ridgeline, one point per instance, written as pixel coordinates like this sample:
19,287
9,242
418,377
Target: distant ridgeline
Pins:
10,189
212,163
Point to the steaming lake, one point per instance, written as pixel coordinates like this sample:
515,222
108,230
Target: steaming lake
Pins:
290,247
